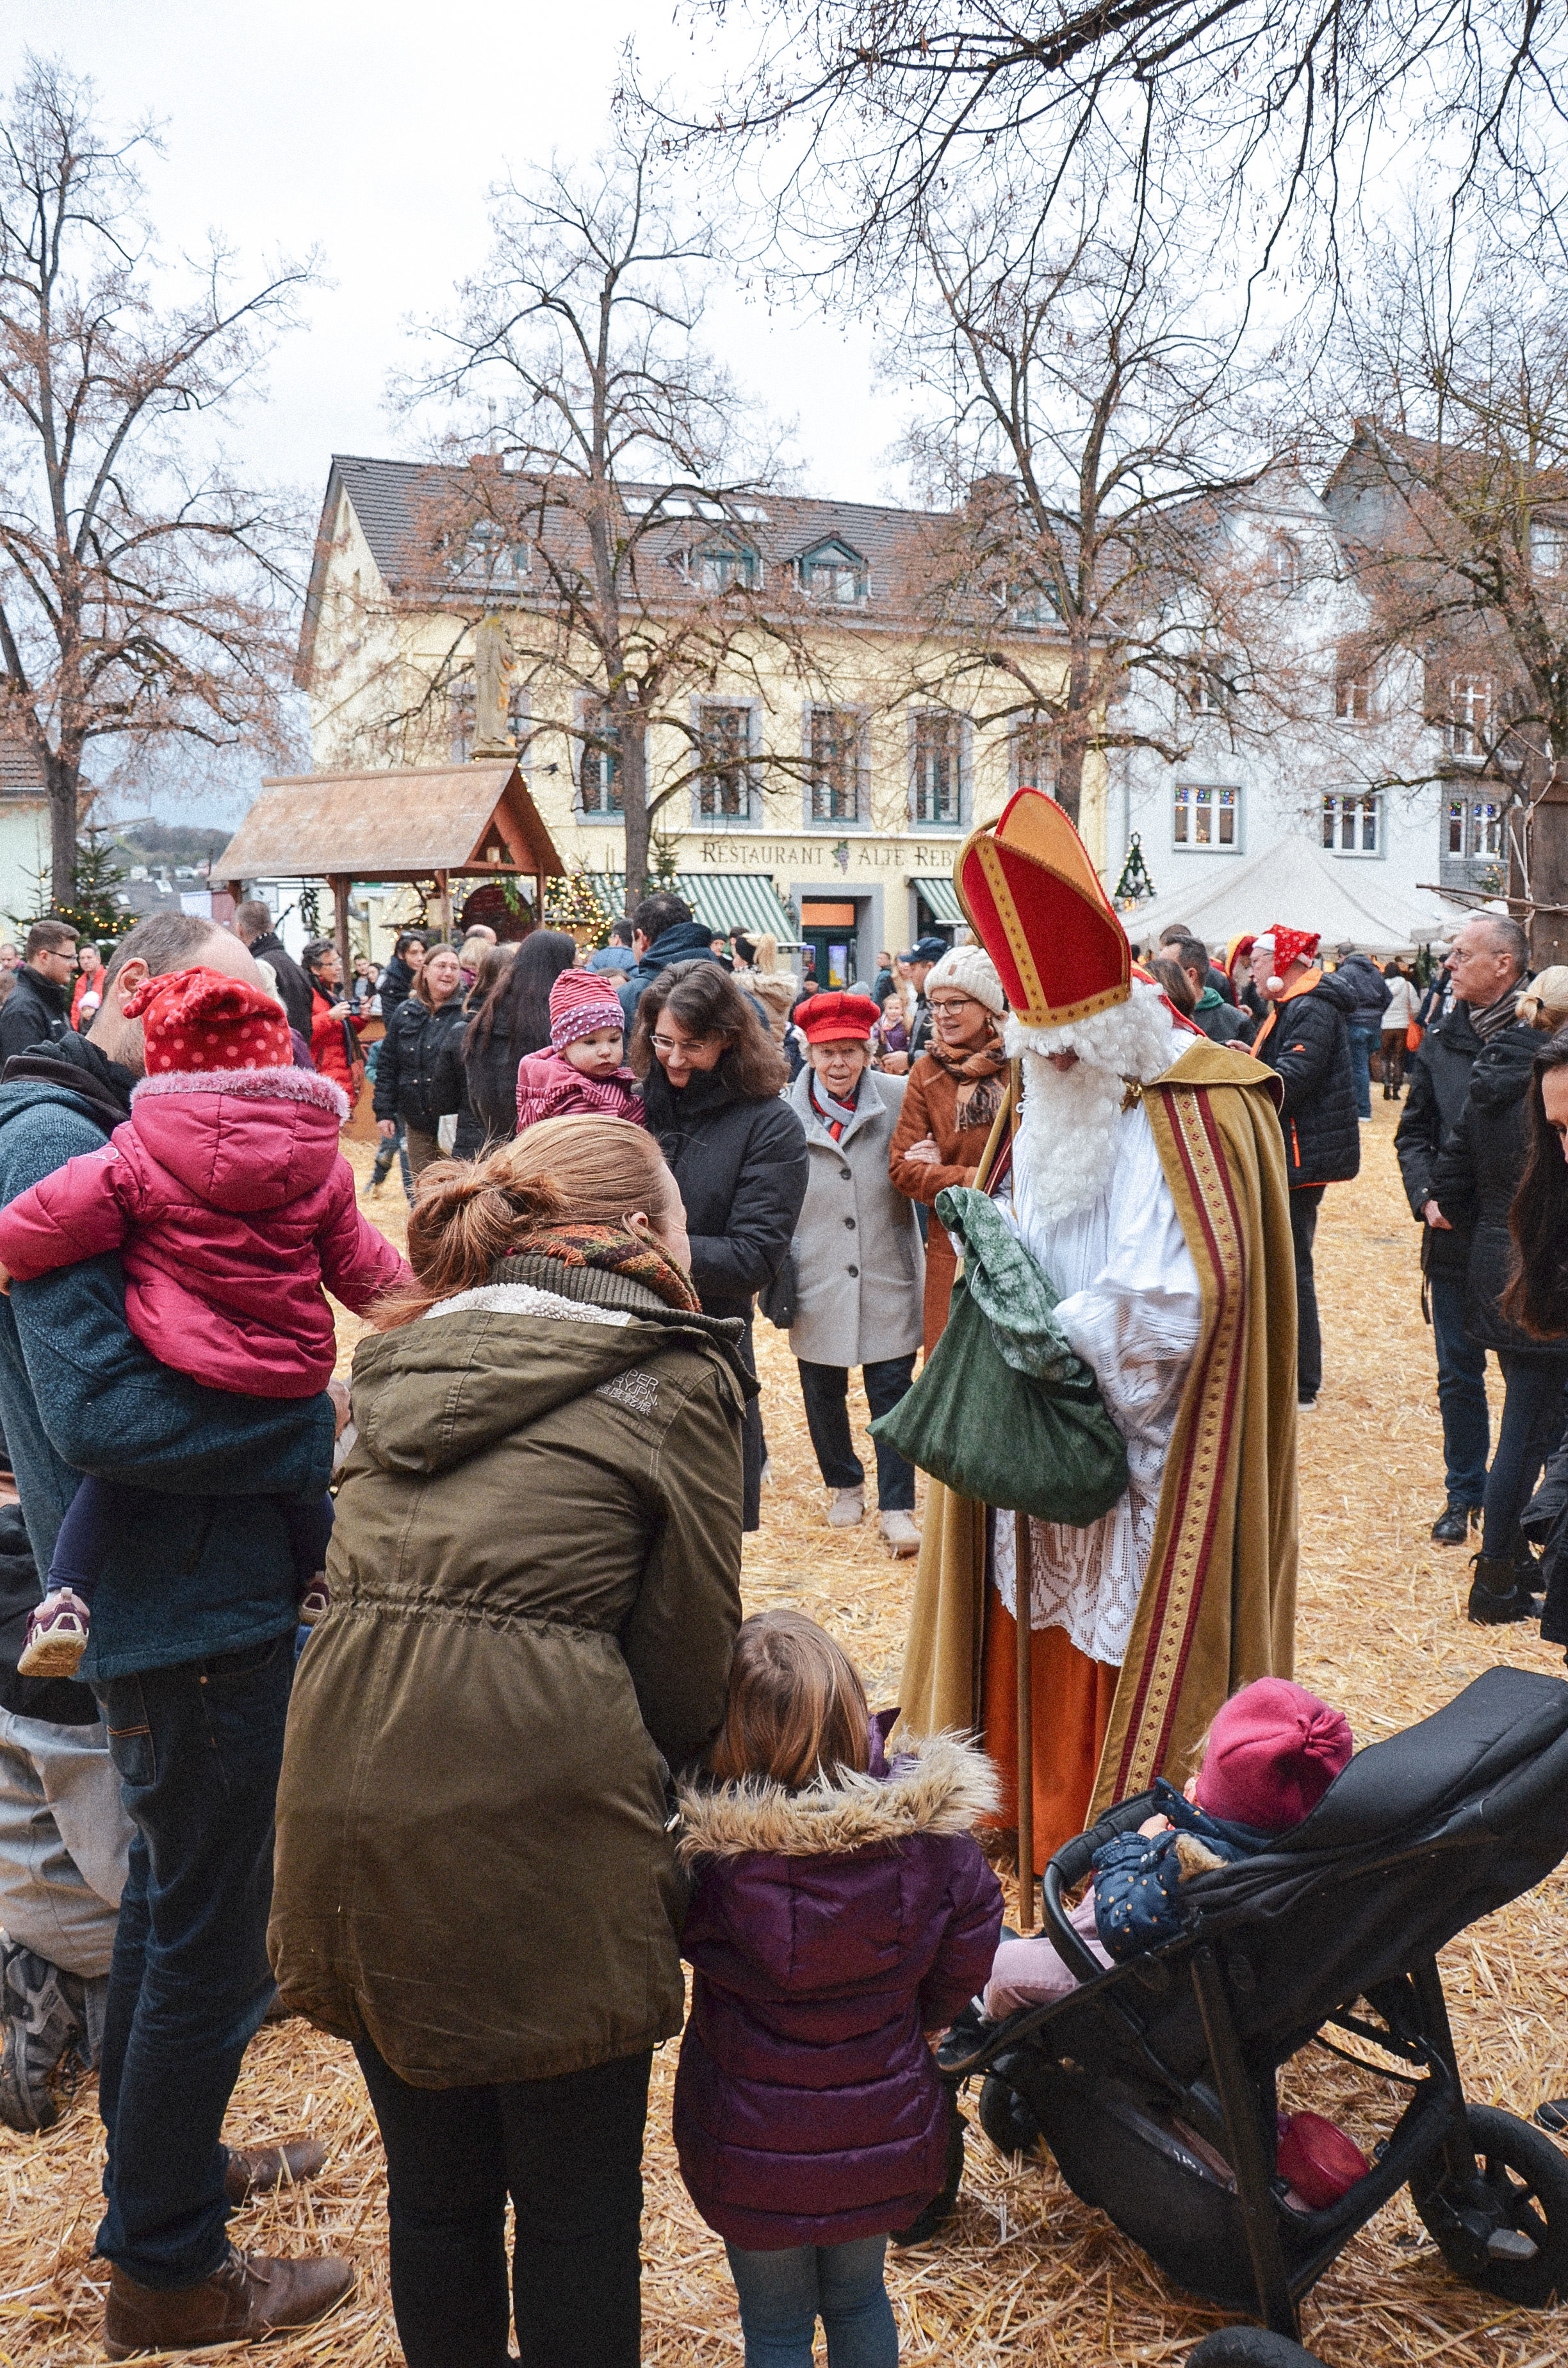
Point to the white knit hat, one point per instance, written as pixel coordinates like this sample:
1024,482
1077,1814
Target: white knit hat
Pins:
972,971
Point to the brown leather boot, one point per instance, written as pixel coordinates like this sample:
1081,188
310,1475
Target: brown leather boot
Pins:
256,2171
251,2295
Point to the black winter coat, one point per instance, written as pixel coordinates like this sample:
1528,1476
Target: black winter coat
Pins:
1478,1172
1439,1087
295,991
394,985
741,1167
1222,1023
480,1087
34,1012
1372,992
408,1064
1308,1047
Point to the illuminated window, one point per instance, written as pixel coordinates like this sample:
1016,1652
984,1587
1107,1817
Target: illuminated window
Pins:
1353,824
1206,814
1477,826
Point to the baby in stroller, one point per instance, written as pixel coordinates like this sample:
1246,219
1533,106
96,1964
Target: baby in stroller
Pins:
1270,1754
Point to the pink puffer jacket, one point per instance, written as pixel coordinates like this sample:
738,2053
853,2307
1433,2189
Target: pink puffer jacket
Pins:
548,1086
232,1205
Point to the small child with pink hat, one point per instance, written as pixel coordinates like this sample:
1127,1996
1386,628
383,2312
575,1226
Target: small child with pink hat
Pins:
583,1069
1269,1757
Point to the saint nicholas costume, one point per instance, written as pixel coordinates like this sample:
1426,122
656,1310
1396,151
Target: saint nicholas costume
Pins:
1147,1181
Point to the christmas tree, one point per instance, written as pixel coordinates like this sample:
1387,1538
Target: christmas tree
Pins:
91,909
1134,887
571,903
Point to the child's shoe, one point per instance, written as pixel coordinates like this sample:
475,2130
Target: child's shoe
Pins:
57,1636
316,1602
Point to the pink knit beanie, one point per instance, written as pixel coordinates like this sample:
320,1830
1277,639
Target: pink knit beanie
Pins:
1274,1750
580,1004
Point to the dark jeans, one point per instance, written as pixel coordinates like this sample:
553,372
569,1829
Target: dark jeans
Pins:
826,1389
1535,1415
101,1507
569,2153
1306,1199
1461,1392
754,1446
394,1146
198,1749
1362,1040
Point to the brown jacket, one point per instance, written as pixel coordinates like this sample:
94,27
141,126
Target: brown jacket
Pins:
535,1581
930,1107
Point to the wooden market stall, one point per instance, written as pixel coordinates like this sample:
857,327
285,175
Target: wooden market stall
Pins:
412,823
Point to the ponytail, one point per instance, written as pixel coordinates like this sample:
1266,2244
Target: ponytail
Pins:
468,1215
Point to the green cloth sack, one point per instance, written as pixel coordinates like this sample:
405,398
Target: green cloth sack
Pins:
1005,1411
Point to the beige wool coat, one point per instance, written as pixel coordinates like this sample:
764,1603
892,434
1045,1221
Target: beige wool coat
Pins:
859,1265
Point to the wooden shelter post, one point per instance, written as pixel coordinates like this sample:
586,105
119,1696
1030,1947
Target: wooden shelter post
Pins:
444,891
338,884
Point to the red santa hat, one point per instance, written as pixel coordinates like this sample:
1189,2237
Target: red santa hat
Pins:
204,1020
1274,1750
1290,945
581,1003
1034,900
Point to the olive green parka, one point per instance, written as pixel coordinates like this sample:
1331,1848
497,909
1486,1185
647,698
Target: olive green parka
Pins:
535,1584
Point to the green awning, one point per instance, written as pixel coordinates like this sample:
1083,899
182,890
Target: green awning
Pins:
725,900
941,898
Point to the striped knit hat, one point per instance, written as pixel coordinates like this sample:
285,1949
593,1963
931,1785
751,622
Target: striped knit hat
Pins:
580,1004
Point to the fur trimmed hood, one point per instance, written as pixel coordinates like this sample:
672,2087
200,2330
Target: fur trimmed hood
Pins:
938,1784
256,1085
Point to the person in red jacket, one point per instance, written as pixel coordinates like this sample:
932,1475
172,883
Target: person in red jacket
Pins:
335,1031
232,1206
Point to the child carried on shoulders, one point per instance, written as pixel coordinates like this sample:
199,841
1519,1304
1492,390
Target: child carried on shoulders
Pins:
232,1204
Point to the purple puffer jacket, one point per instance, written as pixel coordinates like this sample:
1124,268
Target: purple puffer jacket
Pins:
829,1930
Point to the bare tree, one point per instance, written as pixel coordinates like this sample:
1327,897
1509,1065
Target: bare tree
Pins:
607,510
1089,432
863,116
1453,502
145,593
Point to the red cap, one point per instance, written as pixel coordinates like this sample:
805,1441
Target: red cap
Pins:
1292,945
580,1004
204,1020
1274,1750
832,1019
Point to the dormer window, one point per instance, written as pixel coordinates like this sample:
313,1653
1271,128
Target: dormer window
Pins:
834,572
718,567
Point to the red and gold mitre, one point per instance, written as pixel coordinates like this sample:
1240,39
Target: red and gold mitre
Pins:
1034,900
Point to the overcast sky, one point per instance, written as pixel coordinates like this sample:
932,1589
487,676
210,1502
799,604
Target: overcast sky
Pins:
372,132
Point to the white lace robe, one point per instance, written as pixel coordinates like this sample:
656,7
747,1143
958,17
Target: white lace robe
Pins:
1131,1307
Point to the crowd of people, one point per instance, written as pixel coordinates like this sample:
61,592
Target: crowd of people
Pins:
268,1645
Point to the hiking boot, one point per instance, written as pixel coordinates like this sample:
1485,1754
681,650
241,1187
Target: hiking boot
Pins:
1453,1525
847,1509
249,2297
1495,1596
57,1636
964,2039
898,1533
258,2170
45,2016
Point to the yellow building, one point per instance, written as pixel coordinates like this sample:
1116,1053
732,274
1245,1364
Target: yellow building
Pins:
823,747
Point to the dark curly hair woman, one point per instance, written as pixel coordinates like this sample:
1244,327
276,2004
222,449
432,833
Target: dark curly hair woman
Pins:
711,1080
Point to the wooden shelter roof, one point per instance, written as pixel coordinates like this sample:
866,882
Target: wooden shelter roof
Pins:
407,823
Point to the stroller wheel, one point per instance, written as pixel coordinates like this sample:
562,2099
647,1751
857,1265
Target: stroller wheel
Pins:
1505,2229
1250,2347
1006,2118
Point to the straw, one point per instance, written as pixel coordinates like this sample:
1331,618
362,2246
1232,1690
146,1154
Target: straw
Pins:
1029,2274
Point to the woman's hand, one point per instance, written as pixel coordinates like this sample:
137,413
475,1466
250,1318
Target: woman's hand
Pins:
387,1127
926,1151
341,1011
895,1063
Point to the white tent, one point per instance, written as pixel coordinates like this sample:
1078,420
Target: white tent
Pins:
1300,885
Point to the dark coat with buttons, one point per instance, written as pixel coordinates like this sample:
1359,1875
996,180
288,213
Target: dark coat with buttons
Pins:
1304,1041
859,1267
1477,1175
409,1065
741,1165
1439,1087
1137,1877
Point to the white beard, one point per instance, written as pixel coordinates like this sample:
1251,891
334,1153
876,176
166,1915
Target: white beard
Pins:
1070,1133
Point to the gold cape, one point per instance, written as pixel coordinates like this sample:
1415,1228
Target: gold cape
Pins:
1218,1603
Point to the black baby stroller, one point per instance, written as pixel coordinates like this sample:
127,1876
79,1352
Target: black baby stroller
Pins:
1154,2084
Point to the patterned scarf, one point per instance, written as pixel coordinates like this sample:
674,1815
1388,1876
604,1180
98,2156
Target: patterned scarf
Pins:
981,1070
1498,1015
834,1115
615,1251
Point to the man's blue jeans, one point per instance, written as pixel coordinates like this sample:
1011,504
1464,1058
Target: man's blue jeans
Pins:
1461,1392
198,1749
1361,1043
782,2294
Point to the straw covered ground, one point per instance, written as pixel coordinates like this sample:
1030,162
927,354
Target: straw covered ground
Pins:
1029,2275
